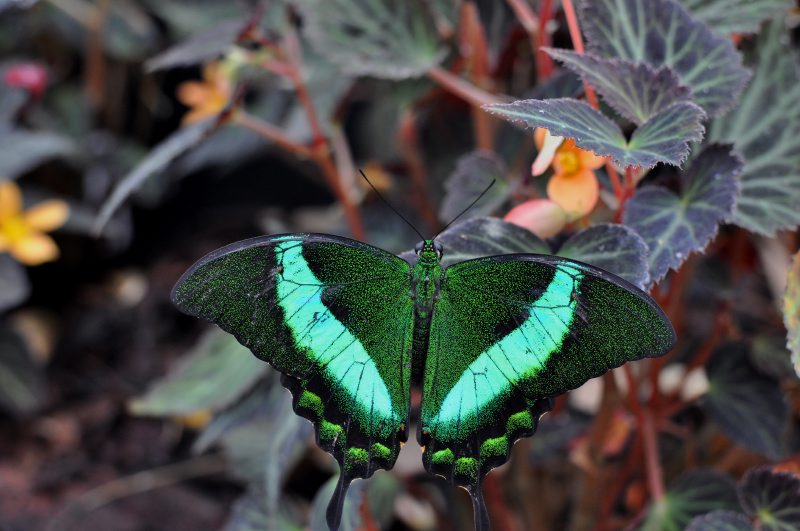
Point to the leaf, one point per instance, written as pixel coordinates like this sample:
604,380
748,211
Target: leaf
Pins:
765,129
773,498
484,237
199,48
159,157
554,435
381,495
25,150
249,514
14,285
720,521
474,172
661,33
663,138
351,513
736,16
22,384
380,38
636,91
770,357
791,312
693,493
747,406
612,247
215,374
676,225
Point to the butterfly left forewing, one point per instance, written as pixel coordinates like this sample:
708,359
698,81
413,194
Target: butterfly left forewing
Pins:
335,317
510,332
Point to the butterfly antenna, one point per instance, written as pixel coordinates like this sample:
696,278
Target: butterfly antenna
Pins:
421,237
465,210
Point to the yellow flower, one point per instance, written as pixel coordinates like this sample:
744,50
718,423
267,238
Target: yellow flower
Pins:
208,97
573,186
22,232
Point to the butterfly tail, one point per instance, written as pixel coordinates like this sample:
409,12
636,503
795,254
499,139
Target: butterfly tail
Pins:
479,507
336,505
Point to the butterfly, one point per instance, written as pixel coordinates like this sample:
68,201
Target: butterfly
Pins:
489,341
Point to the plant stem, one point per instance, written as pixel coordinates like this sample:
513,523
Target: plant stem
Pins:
655,479
544,63
462,88
271,133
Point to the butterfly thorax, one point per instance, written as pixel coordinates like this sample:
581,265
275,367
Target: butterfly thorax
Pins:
425,283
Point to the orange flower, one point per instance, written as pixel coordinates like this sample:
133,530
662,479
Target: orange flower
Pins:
22,232
573,186
208,97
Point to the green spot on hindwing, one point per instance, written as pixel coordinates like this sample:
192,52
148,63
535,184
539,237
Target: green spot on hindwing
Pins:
466,467
328,431
443,457
496,447
381,451
311,402
521,421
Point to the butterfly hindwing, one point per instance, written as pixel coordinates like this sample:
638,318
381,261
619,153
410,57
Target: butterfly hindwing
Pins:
336,318
510,332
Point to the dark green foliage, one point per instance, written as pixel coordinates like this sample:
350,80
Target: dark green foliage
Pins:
676,225
14,285
22,384
473,173
771,498
720,521
747,406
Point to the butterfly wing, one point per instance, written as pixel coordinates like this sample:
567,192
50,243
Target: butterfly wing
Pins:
510,332
335,317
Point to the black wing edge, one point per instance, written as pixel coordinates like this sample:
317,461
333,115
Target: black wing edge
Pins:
553,260
264,241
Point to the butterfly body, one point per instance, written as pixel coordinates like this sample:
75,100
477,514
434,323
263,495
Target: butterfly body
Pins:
489,342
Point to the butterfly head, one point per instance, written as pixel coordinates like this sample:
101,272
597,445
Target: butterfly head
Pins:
429,250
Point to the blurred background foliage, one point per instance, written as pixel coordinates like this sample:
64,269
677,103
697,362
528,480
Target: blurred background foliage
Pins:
137,135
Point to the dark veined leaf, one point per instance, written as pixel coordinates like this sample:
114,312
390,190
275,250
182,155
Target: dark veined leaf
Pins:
22,385
484,237
747,406
200,48
765,129
695,492
676,225
613,247
772,498
14,284
661,32
636,91
474,172
664,137
159,157
720,521
736,16
791,312
215,374
25,150
351,514
379,38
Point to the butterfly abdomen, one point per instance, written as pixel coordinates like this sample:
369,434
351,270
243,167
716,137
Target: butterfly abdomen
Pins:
425,284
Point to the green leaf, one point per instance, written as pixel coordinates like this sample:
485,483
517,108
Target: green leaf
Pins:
661,33
613,247
351,514
380,38
479,237
22,384
474,172
720,521
159,157
736,16
636,91
765,129
14,284
747,406
695,492
676,225
25,150
215,374
199,48
664,137
772,498
791,312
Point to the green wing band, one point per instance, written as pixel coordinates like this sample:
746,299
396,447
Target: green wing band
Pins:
509,333
336,317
